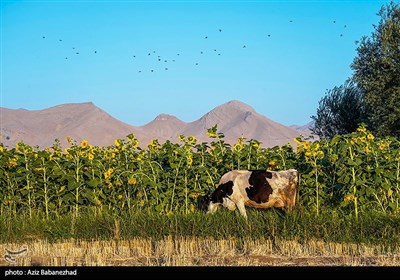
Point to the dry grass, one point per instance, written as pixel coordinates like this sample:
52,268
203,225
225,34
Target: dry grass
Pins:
199,252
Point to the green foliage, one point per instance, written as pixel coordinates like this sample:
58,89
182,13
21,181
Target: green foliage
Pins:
377,71
351,173
340,111
349,189
354,172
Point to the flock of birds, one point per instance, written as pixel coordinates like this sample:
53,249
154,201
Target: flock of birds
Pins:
163,60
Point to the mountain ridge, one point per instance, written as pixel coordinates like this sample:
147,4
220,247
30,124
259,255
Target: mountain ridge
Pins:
87,121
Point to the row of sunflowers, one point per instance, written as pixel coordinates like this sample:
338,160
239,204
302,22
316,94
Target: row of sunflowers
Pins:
352,173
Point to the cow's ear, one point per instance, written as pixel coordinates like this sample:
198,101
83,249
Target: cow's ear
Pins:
219,194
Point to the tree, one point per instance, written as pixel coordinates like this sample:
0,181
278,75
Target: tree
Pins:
340,111
377,72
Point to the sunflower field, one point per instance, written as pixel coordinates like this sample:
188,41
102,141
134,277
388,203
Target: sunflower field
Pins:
350,174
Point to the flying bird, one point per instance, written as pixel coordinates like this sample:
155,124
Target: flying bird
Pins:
220,30
244,46
44,37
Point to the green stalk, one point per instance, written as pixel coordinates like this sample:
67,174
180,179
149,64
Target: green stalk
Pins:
257,159
28,184
398,179
95,191
195,181
202,158
186,193
317,189
173,189
155,181
398,174
353,173
220,145
77,188
46,198
129,200
249,158
209,175
282,157
126,160
60,201
11,190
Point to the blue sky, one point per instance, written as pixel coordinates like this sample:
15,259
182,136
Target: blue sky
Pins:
137,59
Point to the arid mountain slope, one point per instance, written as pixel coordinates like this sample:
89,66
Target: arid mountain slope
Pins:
87,121
79,121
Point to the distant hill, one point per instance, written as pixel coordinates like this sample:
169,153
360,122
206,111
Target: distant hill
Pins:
87,121
79,121
236,119
305,130
163,127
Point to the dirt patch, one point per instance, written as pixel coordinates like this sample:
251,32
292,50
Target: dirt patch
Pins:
196,252
38,261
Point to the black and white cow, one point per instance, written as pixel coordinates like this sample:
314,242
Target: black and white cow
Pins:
254,188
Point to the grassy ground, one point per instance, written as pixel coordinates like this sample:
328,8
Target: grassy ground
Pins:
328,226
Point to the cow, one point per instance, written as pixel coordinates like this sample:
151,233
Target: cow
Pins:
254,188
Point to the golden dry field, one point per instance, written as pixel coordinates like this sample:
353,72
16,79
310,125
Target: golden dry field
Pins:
198,252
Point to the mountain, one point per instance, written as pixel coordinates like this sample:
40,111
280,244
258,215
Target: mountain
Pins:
163,127
305,130
79,121
236,119
87,121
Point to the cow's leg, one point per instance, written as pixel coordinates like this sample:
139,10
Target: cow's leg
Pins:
242,210
229,204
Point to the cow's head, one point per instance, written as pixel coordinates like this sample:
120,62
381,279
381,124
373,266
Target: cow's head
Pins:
204,202
220,196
